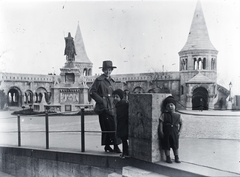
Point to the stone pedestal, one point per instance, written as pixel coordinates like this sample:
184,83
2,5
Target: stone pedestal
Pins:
144,113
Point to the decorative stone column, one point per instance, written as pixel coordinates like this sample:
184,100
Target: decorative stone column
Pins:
210,102
22,97
189,102
144,113
189,97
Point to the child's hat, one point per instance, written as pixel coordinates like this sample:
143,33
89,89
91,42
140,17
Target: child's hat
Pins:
118,92
169,99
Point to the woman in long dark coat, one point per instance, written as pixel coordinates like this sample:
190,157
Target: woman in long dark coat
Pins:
101,92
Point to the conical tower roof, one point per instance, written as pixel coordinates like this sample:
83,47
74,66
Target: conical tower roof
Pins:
198,37
80,48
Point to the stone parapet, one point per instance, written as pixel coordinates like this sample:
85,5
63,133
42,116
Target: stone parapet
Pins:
23,162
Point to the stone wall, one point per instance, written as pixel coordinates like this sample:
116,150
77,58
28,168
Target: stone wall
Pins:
22,162
30,162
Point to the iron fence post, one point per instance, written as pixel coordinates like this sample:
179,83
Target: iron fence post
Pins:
82,131
19,130
47,129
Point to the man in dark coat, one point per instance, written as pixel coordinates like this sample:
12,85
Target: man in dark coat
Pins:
170,124
101,92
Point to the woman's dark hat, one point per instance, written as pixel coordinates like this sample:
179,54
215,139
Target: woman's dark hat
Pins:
168,100
107,64
118,92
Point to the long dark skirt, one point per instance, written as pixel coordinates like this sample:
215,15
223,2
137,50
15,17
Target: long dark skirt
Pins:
107,123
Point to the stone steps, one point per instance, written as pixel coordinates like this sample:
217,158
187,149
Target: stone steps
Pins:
130,171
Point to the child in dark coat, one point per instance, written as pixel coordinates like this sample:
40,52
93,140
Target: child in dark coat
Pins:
170,124
122,119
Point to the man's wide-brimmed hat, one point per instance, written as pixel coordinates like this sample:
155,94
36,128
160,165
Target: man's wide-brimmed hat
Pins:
107,64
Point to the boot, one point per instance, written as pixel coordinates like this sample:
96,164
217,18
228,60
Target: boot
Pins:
177,159
168,160
107,148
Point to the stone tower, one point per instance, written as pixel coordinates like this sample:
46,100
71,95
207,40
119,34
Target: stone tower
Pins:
198,65
81,59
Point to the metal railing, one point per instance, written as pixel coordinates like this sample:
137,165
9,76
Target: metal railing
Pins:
47,131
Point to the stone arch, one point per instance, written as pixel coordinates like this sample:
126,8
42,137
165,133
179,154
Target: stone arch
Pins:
186,64
151,91
41,94
213,64
204,63
28,97
35,98
197,94
40,97
138,89
195,64
85,72
89,72
14,97
199,63
199,85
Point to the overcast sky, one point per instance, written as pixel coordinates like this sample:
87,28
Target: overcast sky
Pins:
138,36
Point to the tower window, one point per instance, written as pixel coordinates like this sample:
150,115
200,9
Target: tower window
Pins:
213,64
195,64
184,64
85,73
204,63
199,63
89,72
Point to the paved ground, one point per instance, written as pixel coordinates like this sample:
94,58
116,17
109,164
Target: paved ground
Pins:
209,139
217,144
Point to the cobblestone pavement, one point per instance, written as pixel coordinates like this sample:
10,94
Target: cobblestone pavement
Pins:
213,127
194,126
207,127
212,140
